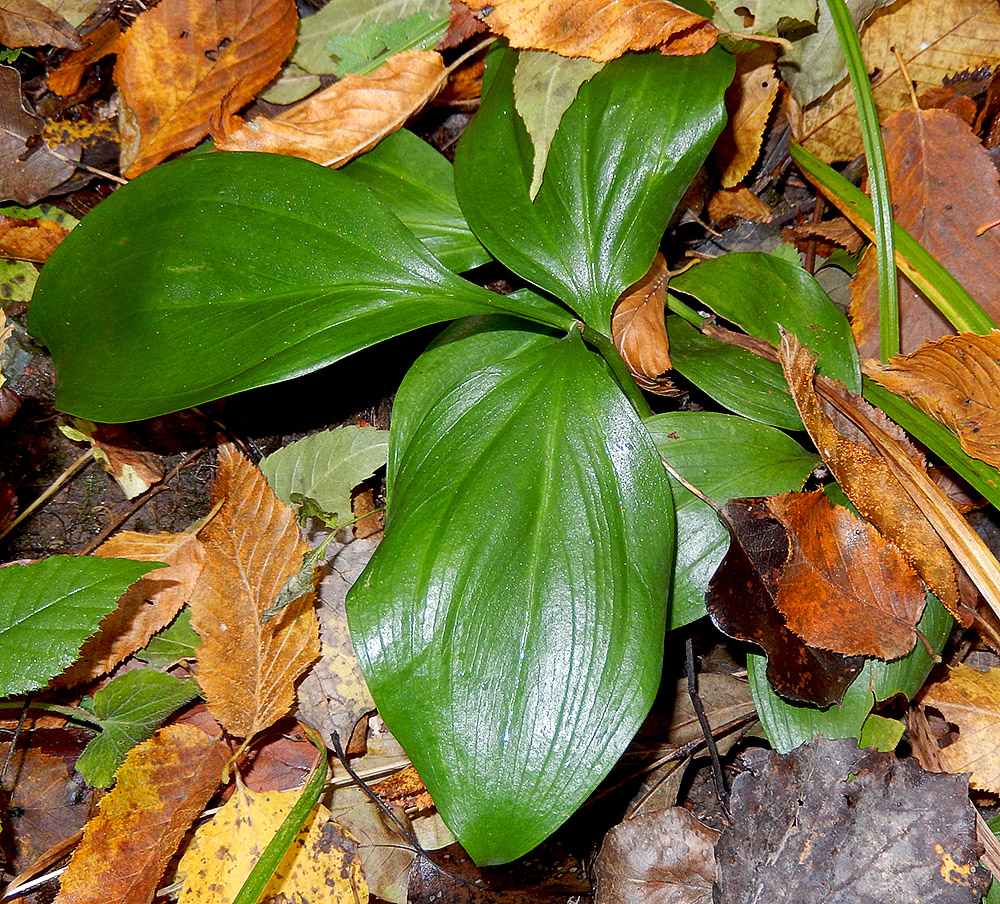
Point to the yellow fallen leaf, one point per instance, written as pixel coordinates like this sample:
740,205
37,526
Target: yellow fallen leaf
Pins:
752,93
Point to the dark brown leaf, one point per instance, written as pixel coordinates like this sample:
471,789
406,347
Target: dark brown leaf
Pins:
27,23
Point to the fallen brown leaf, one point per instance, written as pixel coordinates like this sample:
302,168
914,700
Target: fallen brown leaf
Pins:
333,126
836,233
730,204
184,60
104,40
247,668
597,29
29,240
751,98
462,25
134,469
27,23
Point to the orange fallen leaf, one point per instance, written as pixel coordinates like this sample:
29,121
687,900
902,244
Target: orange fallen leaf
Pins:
597,29
160,789
333,126
730,204
29,240
247,667
844,587
65,79
183,60
639,331
751,96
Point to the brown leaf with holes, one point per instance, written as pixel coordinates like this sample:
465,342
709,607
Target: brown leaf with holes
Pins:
971,700
350,117
27,23
751,97
184,60
844,587
247,667
944,190
597,29
160,789
147,606
867,478
955,380
29,240
639,331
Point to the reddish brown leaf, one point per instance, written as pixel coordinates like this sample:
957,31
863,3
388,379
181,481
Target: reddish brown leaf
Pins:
184,60
596,29
160,789
283,762
134,469
27,23
462,25
836,233
844,588
29,240
639,331
247,668
944,188
333,126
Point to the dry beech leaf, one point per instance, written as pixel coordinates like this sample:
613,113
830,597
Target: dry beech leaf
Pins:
639,331
867,478
183,60
751,95
147,606
836,233
65,78
350,117
160,789
27,23
597,29
29,240
730,204
844,587
944,189
462,25
971,700
955,380
247,668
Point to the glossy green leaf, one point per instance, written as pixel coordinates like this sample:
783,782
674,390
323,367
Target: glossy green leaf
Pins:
623,155
224,272
417,184
736,378
723,456
761,293
176,642
50,608
130,708
520,593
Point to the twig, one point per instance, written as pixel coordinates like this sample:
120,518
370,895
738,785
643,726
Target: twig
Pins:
706,727
53,488
78,164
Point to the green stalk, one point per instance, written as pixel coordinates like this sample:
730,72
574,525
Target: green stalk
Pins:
619,368
888,284
676,306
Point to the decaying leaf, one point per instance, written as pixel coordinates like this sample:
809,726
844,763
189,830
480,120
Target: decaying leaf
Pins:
829,822
730,204
134,469
639,331
321,866
596,29
29,240
350,117
970,699
149,605
161,787
183,60
28,23
247,668
956,380
65,78
751,95
662,857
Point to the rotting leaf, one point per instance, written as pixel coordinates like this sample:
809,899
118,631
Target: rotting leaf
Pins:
161,788
829,822
350,117
246,668
596,29
134,469
751,95
844,587
28,23
662,857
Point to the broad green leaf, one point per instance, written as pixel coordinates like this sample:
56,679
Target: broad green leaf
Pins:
736,378
544,87
623,155
417,184
326,466
762,293
520,592
175,642
130,708
363,52
224,272
50,608
724,457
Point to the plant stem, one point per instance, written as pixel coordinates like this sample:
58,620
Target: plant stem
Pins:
618,367
70,712
678,307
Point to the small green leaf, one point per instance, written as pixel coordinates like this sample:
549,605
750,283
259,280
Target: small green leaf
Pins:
130,708
535,659
176,642
880,732
363,52
50,608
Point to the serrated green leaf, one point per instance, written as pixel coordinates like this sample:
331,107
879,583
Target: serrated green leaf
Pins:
326,466
545,84
225,272
174,643
613,176
536,658
49,608
417,184
130,708
364,52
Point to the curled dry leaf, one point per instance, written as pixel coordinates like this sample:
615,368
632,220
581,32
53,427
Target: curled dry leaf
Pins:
956,380
247,667
350,117
751,95
183,60
639,331
597,29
